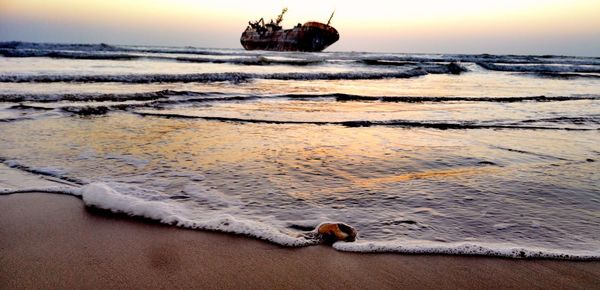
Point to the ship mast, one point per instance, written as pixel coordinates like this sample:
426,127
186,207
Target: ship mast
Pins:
329,21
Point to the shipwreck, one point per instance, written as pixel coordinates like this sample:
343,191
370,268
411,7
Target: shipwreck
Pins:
311,36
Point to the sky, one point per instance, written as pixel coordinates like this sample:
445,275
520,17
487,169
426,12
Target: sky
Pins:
566,27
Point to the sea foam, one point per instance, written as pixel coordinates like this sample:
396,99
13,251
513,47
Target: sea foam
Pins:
464,248
102,196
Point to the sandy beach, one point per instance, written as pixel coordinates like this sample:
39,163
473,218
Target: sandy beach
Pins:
53,241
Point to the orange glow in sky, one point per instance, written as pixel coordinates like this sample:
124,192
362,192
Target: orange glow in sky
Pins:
459,26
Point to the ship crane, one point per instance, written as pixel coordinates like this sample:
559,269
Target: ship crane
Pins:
280,16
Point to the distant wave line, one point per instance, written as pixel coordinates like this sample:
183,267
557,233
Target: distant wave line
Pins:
251,60
196,96
365,123
208,77
488,58
537,68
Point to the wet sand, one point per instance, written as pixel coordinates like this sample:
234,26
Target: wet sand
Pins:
53,241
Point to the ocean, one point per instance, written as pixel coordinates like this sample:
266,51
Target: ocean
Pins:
421,153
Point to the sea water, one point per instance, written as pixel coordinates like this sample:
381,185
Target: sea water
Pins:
460,154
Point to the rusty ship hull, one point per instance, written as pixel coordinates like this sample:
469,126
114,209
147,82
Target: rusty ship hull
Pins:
310,37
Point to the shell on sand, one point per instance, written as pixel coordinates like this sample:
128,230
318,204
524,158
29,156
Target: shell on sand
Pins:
333,232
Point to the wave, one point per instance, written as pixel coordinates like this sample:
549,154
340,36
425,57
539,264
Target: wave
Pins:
585,123
432,63
409,99
133,78
29,107
74,47
259,60
25,112
196,96
571,72
147,96
470,249
58,46
563,76
451,68
208,77
367,123
10,120
67,54
103,196
46,171
580,120
188,50
87,110
480,58
539,68
110,55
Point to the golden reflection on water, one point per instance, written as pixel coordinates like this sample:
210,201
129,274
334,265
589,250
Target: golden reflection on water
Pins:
212,145
304,161
475,83
378,181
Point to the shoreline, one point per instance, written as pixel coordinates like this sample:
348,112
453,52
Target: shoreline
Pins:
25,181
53,241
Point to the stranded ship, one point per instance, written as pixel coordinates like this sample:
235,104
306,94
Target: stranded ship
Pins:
310,36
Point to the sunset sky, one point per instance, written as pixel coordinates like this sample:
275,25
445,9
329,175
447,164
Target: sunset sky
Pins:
569,27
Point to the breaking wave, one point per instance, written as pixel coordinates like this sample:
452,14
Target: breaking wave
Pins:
103,196
464,248
208,77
